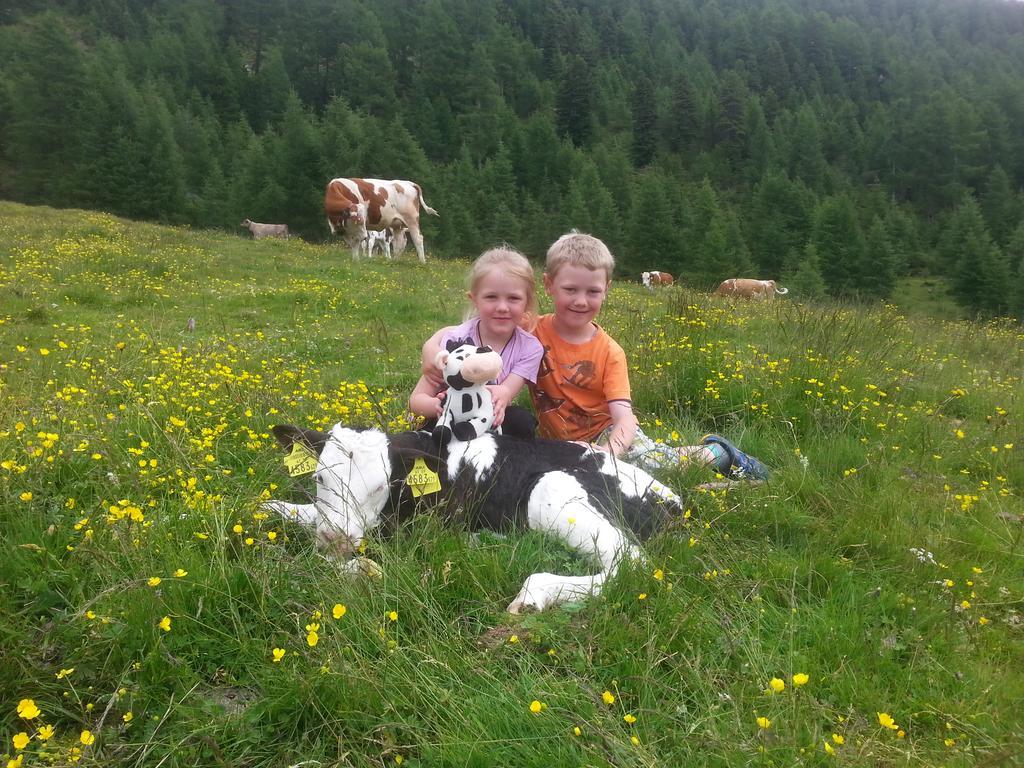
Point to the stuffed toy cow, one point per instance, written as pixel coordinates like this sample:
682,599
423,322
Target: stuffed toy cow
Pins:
468,410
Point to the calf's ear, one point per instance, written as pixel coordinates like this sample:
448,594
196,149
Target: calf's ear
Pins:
289,434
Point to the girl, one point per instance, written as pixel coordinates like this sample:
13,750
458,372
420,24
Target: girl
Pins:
502,290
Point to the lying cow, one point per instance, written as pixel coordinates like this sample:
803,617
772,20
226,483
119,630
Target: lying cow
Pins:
259,231
596,504
746,288
651,279
393,205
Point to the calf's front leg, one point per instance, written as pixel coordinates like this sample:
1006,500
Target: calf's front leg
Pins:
559,505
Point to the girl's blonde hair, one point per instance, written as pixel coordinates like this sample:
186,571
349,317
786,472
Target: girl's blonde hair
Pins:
513,263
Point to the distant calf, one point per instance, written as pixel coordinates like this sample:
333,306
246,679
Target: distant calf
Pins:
743,287
259,231
375,240
651,279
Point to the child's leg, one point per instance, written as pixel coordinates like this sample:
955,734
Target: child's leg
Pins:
714,451
650,455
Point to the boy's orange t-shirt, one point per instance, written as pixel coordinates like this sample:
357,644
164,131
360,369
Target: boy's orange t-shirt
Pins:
576,382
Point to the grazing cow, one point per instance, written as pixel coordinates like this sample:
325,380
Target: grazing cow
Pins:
596,504
746,288
393,205
651,279
259,231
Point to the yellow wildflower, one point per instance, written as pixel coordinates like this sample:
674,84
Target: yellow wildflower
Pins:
764,722
800,679
536,706
885,720
87,737
165,624
154,581
338,611
775,685
28,710
45,733
608,697
20,740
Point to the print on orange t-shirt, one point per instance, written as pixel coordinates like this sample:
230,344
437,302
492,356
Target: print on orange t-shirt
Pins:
576,382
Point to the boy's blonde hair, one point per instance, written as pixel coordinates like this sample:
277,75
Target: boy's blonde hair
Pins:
513,263
579,250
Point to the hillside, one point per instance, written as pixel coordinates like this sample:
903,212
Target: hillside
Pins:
145,591
842,144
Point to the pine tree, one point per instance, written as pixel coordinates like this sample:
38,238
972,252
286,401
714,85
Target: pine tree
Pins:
908,254
684,126
651,238
839,242
1015,248
1017,293
1000,206
730,130
645,128
779,221
299,169
47,78
802,275
574,104
361,63
877,276
981,274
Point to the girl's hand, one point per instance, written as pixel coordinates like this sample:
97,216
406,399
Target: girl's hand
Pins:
439,398
500,398
433,374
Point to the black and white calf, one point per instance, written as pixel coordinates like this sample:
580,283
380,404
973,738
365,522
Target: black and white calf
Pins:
596,504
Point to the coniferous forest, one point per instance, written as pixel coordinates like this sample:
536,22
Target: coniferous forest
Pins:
838,146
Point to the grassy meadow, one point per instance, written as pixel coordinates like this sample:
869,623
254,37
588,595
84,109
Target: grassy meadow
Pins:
863,608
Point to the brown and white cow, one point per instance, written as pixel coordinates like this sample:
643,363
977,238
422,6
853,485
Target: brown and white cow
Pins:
746,288
651,279
259,231
357,205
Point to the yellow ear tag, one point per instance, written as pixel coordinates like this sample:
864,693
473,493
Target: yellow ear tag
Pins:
422,480
301,461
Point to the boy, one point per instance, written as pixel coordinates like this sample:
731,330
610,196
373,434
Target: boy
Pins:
582,390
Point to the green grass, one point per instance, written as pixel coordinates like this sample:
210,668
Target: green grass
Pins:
134,448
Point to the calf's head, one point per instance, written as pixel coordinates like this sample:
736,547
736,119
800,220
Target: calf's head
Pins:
353,481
